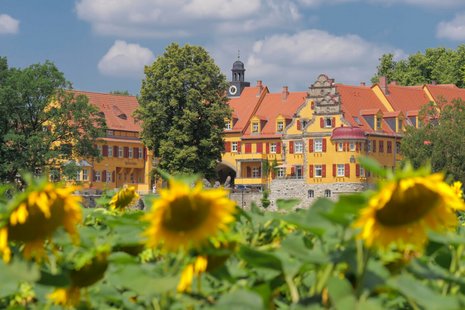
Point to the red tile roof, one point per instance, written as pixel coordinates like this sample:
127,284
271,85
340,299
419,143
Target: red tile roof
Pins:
115,108
274,105
406,98
354,99
244,105
447,92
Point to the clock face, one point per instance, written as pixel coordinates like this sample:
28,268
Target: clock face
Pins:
232,90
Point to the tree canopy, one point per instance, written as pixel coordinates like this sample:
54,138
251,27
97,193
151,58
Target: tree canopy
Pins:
439,140
42,123
443,65
183,108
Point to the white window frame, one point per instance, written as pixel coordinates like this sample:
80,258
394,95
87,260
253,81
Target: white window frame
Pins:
298,147
120,152
318,145
341,171
227,125
340,147
110,151
352,146
98,176
273,147
78,176
318,173
362,172
281,172
131,152
327,193
85,175
299,168
328,122
234,147
256,172
108,176
141,153
100,150
280,126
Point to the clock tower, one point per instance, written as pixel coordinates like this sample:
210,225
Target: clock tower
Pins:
237,83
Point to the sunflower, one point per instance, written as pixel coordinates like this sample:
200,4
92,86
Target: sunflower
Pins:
404,210
184,217
35,216
457,187
124,198
195,269
67,297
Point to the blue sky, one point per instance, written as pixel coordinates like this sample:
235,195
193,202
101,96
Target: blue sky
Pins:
103,45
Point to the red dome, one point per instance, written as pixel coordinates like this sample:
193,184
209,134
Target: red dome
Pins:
348,133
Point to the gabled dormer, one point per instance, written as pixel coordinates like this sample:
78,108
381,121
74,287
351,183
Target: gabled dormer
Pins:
395,120
257,123
374,118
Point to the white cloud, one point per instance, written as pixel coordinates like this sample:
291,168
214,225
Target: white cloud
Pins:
452,30
161,18
8,25
296,60
125,60
421,3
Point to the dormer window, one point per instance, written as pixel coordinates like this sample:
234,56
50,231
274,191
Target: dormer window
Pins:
378,122
280,127
227,125
255,127
400,124
123,116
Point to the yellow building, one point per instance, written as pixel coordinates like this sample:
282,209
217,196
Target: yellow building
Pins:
124,159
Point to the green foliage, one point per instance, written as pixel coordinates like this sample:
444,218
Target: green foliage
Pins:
183,108
42,124
439,140
443,65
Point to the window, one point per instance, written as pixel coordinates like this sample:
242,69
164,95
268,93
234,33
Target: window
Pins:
108,176
362,172
318,171
110,151
368,146
234,147
378,122
299,147
340,147
97,176
400,124
352,146
130,152
132,178
255,172
340,170
273,148
227,125
120,152
255,127
381,146
110,133
299,172
141,153
100,151
328,122
85,175
310,193
78,176
327,193
281,172
280,126
318,145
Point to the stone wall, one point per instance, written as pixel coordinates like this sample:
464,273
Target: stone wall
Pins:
245,199
289,188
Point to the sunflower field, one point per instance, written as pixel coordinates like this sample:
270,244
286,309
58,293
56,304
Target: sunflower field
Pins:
400,245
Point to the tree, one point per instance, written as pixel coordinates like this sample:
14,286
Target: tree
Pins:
443,65
439,140
42,123
183,109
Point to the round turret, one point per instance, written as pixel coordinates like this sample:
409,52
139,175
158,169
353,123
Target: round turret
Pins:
348,133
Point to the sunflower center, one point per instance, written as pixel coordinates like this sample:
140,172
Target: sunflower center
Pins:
186,213
407,206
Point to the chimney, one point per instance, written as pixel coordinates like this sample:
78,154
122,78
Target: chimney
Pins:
284,93
260,87
383,85
362,84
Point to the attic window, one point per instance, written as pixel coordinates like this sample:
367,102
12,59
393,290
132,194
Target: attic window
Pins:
123,116
378,122
357,120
